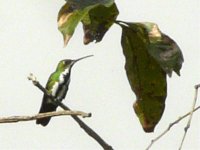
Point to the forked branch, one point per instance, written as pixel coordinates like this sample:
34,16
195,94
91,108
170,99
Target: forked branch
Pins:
178,120
191,114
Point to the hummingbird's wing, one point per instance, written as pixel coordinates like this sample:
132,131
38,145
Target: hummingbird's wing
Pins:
47,106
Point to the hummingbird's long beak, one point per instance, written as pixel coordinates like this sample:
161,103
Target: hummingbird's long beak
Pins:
82,58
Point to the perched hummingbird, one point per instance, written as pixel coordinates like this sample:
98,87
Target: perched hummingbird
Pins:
57,86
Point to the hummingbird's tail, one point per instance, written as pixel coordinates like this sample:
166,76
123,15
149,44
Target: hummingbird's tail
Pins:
45,107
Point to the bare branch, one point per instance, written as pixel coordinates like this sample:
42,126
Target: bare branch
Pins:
191,114
178,120
169,127
15,119
85,127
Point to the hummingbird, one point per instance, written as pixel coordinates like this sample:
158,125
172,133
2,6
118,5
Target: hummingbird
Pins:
57,86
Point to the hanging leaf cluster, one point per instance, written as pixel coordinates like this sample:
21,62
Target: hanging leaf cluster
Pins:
96,16
150,55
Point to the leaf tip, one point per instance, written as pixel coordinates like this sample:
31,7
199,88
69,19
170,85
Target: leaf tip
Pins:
146,125
87,39
66,39
148,129
178,72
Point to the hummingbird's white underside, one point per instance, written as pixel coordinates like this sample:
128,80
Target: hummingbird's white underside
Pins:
62,75
61,81
54,89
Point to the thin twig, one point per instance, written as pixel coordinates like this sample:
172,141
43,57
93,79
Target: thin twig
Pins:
85,127
15,119
175,122
169,127
191,114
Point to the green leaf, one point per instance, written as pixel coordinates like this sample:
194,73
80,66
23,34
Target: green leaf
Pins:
147,79
97,22
88,12
68,19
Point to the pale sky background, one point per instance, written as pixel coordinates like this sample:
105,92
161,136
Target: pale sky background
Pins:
30,42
